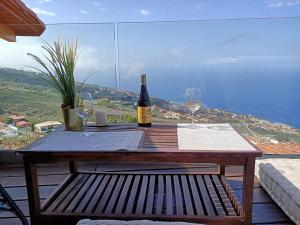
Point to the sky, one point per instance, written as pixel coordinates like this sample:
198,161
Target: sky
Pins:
200,40
73,11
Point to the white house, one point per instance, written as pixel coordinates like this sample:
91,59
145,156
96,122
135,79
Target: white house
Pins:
46,126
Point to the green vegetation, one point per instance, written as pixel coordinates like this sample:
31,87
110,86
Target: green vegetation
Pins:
22,93
279,136
21,140
35,102
58,69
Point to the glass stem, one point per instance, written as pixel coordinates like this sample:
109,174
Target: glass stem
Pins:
193,118
85,127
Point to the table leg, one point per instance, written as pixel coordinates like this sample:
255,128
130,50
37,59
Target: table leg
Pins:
73,167
32,191
248,180
221,169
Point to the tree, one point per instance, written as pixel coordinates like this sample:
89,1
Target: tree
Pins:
9,120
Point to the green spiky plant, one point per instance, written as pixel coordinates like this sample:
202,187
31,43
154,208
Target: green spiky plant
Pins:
58,69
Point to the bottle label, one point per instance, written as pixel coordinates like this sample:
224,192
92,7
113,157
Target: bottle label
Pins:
144,114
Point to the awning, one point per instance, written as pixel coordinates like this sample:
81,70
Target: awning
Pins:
18,20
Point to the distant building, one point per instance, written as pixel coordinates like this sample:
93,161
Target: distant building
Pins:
16,119
8,130
2,126
23,123
46,126
20,121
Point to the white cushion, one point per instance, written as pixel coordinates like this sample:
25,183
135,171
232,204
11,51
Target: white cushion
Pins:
132,222
281,179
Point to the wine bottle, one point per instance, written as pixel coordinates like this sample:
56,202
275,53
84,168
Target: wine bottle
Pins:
144,105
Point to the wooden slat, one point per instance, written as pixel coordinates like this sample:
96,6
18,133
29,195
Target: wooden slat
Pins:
108,192
19,193
57,190
159,144
259,195
237,182
64,193
80,195
160,196
43,171
18,181
150,196
232,196
85,201
161,137
142,195
7,33
186,196
72,194
169,197
12,221
224,197
178,196
23,206
214,196
206,199
98,194
112,202
268,213
123,196
196,196
20,19
133,195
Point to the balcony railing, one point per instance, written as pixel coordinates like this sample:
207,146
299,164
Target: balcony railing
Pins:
248,71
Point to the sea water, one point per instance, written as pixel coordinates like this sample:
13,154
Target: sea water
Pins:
268,92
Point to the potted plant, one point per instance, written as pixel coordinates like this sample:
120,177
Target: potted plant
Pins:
58,70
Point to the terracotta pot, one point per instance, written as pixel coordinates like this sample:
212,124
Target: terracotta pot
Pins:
71,120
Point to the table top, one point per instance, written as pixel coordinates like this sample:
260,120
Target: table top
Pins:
160,138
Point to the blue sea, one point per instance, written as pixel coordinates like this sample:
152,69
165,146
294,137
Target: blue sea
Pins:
265,92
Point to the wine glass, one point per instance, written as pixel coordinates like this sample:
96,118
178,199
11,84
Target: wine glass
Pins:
192,102
84,108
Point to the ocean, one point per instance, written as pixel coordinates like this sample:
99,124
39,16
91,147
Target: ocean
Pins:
268,92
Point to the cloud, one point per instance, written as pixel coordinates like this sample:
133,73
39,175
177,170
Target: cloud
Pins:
200,5
282,3
19,50
93,59
43,12
275,4
292,3
90,59
99,6
179,52
44,1
214,61
144,12
83,11
246,36
96,3
102,9
132,68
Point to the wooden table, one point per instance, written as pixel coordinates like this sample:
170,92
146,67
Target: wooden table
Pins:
194,197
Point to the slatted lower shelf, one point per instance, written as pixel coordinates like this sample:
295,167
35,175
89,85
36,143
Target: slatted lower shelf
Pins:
183,195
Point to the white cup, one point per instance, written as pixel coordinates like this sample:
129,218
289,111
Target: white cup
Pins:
101,117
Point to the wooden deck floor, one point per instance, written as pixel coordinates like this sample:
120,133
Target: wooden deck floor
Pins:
265,211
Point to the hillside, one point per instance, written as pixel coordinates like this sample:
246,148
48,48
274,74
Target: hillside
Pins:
22,92
21,77
36,103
